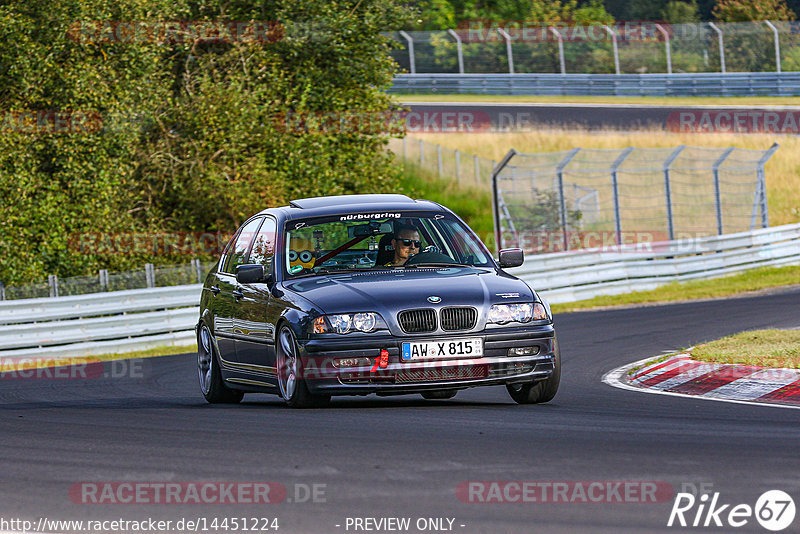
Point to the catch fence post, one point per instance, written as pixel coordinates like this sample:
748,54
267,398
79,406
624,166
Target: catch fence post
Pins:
411,58
717,194
150,275
665,33
615,186
52,281
561,200
495,196
459,50
668,190
721,46
509,54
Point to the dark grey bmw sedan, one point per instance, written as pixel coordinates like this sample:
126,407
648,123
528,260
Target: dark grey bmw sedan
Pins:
363,294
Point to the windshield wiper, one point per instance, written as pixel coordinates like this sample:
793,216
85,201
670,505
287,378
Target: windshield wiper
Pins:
437,264
329,270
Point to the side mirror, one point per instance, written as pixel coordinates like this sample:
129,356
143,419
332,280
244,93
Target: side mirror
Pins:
250,274
511,257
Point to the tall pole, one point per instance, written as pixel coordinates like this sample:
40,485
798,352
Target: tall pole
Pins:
561,200
459,50
668,190
615,186
717,193
614,44
496,196
777,46
507,37
665,33
721,46
560,50
411,59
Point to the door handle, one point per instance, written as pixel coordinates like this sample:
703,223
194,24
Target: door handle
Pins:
238,294
215,290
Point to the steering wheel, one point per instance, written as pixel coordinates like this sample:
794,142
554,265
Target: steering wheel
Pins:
429,257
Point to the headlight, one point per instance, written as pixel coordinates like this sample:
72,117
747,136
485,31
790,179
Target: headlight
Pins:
348,322
518,313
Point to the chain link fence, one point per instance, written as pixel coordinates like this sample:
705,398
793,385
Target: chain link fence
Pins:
642,47
468,170
147,276
549,202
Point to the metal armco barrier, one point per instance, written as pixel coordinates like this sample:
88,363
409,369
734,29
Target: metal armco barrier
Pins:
99,323
569,277
124,321
679,84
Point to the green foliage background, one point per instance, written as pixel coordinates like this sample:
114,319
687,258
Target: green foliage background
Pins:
191,137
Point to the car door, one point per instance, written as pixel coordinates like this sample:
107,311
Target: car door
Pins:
254,346
226,292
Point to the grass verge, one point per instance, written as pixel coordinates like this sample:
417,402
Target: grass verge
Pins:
766,348
752,280
43,362
630,100
471,204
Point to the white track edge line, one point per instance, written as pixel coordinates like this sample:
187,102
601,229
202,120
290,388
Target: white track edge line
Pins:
612,378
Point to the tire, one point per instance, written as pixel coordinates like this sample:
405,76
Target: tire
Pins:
211,384
293,389
440,394
538,392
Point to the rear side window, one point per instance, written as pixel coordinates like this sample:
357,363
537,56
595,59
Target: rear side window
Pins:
237,253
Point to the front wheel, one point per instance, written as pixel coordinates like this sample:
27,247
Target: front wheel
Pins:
544,391
211,384
292,387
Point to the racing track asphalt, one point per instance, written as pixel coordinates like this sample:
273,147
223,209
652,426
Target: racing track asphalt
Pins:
403,456
630,116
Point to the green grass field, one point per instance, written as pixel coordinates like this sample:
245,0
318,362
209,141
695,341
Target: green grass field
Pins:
760,279
767,348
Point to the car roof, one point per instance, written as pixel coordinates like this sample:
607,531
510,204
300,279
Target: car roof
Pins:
345,204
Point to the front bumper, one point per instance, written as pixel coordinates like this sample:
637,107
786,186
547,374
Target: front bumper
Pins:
398,376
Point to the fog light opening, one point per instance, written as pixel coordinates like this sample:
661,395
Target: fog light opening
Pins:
523,351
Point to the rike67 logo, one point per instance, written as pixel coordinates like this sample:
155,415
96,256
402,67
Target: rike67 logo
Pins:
774,510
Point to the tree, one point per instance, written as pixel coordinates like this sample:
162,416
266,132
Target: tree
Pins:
752,10
677,12
197,133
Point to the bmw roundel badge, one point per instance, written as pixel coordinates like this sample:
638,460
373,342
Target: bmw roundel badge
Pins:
434,299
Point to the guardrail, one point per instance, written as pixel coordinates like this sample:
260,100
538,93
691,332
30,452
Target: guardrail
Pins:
123,321
680,84
571,276
99,323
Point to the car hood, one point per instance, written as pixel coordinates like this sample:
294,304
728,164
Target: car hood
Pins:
388,292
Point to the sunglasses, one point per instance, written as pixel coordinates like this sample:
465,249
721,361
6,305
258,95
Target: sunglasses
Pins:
409,242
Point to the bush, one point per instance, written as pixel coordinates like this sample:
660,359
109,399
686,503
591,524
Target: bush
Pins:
193,136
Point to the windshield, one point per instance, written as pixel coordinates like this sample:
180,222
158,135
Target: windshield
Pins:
325,245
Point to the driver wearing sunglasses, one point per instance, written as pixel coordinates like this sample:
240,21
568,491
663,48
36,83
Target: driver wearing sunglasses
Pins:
406,243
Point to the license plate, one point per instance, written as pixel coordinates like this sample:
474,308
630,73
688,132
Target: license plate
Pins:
449,348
